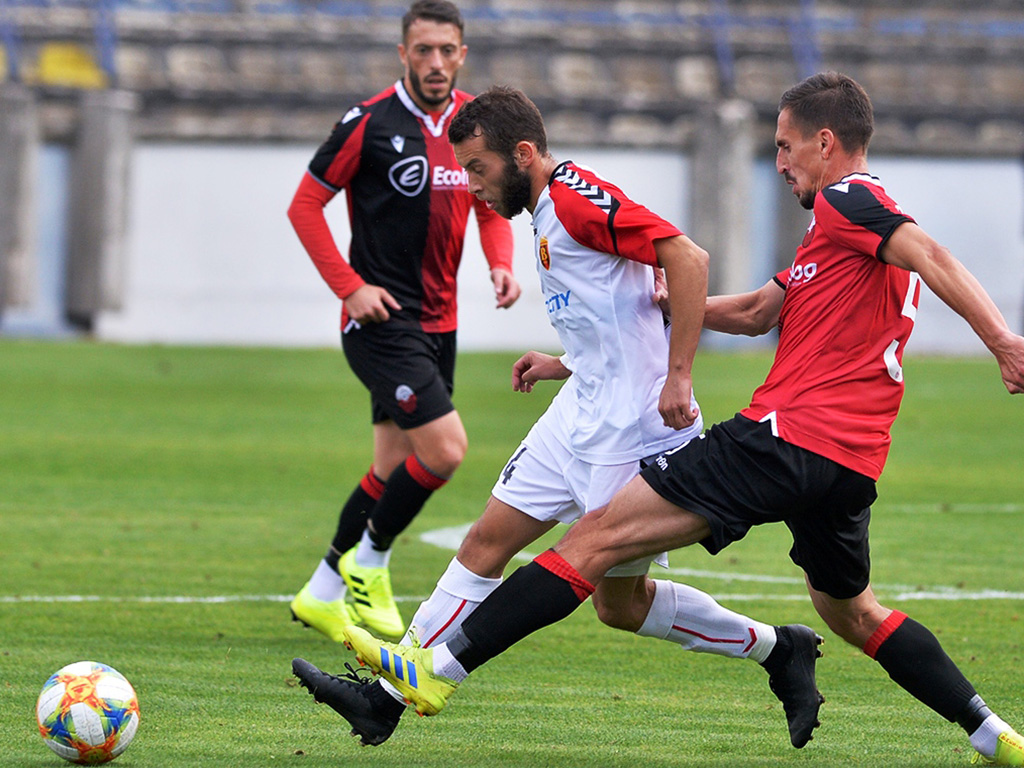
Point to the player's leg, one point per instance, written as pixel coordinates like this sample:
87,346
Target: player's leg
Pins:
916,661
696,622
533,479
411,382
321,601
638,522
534,596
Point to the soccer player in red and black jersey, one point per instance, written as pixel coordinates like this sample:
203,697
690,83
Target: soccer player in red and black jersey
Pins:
408,205
806,452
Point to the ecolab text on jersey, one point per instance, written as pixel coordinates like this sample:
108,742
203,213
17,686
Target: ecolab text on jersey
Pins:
449,177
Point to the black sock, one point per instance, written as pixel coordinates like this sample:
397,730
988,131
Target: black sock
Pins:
534,596
780,653
352,520
382,701
407,490
914,659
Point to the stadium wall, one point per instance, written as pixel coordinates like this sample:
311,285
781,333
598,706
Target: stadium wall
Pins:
212,259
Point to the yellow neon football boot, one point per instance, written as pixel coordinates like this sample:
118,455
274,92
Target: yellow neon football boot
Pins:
410,670
327,616
1009,751
372,596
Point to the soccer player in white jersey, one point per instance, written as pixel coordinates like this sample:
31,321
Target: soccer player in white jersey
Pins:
627,397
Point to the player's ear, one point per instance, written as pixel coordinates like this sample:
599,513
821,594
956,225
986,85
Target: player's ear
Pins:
827,141
524,153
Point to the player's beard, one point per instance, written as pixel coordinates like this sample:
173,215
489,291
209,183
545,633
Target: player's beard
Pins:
806,199
433,101
515,191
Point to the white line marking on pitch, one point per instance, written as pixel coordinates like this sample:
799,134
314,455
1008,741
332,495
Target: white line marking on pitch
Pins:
450,538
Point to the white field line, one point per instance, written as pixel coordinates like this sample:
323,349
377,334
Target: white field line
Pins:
210,599
450,538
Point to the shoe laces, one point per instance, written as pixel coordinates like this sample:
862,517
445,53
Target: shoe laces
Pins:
354,676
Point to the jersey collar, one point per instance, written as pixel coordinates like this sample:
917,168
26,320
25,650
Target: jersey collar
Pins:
436,129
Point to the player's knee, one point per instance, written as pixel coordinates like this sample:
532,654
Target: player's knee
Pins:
445,459
617,615
484,554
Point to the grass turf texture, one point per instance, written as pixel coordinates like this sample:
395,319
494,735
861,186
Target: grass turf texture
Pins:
155,472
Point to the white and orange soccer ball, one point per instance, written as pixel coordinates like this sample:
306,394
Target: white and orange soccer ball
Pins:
87,713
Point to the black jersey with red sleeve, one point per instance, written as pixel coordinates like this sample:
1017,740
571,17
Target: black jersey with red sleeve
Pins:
408,205
836,384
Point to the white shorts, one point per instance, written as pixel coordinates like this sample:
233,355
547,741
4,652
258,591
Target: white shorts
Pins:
546,481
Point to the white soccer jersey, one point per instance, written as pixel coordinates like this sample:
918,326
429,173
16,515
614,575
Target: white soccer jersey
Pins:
595,250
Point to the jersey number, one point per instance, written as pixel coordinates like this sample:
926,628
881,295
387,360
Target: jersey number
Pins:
892,363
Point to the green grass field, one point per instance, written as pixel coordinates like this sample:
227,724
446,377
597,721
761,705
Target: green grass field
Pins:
132,476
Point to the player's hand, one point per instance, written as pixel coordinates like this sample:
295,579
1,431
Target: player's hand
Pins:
660,295
1010,357
536,366
506,288
674,403
369,304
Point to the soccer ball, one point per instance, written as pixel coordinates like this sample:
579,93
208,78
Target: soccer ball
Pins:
87,712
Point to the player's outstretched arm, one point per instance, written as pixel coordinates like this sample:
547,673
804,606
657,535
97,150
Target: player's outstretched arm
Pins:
537,366
910,247
747,314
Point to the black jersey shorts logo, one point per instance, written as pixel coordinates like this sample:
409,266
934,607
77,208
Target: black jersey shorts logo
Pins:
406,398
409,176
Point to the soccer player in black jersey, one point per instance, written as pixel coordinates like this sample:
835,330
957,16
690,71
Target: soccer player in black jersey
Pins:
408,204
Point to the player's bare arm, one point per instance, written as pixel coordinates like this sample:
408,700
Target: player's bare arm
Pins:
910,247
686,274
537,366
369,304
745,314
506,288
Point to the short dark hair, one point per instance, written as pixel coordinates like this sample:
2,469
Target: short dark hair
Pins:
834,101
504,116
440,11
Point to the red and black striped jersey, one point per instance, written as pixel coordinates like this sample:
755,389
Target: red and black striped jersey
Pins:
836,384
408,205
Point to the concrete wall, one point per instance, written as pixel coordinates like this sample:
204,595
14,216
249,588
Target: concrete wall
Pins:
211,257
215,260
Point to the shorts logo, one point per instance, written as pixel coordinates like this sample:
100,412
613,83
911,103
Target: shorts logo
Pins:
406,398
409,176
544,252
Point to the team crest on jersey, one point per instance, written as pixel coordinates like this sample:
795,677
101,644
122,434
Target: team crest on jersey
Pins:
544,252
398,142
406,398
409,176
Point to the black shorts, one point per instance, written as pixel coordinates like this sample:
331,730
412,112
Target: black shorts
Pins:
410,373
738,475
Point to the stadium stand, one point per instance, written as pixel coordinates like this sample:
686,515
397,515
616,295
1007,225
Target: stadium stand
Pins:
945,75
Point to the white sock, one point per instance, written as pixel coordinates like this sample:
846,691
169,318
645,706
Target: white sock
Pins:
458,593
985,738
368,557
446,665
695,621
325,583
